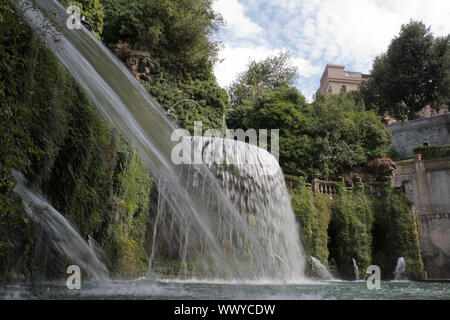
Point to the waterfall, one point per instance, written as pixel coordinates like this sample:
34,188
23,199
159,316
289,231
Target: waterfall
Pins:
355,269
400,269
229,235
323,271
265,215
63,236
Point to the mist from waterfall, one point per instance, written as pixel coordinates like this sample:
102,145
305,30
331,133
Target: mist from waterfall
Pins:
236,222
400,270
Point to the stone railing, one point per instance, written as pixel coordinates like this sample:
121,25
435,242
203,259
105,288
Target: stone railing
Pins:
409,168
330,187
324,187
437,164
317,185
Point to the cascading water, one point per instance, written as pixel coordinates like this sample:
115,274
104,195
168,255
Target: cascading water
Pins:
240,236
261,199
323,271
64,237
400,270
355,269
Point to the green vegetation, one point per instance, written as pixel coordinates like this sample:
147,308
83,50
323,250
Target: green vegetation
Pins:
272,73
395,234
433,152
353,225
93,176
313,212
393,154
176,33
93,12
175,38
51,133
330,137
350,231
413,73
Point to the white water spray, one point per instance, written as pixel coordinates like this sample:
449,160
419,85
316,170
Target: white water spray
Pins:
323,271
400,270
355,269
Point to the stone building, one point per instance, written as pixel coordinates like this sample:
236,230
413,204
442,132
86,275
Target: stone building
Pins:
335,78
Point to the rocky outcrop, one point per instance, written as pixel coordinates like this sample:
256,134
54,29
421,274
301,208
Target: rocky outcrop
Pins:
140,63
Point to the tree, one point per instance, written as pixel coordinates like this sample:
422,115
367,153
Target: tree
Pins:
284,109
411,75
346,135
330,137
272,73
176,33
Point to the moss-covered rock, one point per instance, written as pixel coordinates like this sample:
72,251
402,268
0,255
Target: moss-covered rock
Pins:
90,173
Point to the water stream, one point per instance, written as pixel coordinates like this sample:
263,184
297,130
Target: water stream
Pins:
63,235
355,269
323,271
400,270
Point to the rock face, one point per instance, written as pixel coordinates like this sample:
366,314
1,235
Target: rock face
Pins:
383,167
139,62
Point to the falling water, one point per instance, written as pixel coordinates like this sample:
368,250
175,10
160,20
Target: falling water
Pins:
400,269
324,273
355,269
252,179
196,207
63,236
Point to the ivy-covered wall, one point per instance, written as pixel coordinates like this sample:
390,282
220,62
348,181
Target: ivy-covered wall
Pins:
353,225
89,172
313,212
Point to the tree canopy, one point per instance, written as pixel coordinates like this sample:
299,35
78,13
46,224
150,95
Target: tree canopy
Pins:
331,136
272,73
175,32
412,74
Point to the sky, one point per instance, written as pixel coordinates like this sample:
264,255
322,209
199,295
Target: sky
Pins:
316,33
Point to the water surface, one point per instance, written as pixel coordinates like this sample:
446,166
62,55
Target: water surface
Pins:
146,289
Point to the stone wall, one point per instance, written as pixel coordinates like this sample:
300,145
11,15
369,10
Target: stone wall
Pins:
410,134
427,184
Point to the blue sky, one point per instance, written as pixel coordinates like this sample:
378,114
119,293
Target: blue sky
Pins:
317,32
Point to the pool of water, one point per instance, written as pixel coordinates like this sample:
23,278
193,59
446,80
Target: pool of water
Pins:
147,289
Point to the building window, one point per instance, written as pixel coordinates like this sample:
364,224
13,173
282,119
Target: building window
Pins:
344,87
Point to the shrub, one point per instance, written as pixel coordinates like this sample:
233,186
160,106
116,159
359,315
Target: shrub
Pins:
433,152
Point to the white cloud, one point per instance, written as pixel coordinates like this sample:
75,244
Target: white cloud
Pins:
233,13
235,61
316,32
305,68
